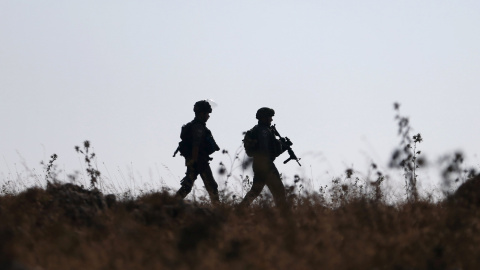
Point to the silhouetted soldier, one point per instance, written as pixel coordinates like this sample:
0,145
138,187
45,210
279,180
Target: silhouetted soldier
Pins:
196,146
266,149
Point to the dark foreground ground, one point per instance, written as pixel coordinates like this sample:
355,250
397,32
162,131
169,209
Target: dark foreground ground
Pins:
67,227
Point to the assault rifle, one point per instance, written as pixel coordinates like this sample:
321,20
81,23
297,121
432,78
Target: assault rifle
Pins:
176,150
286,142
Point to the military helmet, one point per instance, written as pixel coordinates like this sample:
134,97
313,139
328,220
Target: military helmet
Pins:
264,112
202,106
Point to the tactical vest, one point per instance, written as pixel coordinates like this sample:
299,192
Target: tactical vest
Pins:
207,147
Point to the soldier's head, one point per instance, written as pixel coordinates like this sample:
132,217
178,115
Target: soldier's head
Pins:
264,115
202,110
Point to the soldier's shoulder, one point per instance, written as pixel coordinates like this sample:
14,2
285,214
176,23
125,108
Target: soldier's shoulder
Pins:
261,127
255,130
263,131
196,124
189,124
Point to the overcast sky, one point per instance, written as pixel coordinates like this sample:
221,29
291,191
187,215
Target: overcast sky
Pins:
125,75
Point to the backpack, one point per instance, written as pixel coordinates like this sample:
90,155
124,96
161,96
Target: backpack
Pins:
185,145
250,142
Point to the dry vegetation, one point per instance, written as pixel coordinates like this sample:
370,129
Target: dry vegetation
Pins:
345,226
67,227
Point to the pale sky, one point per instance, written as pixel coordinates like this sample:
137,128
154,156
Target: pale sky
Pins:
125,75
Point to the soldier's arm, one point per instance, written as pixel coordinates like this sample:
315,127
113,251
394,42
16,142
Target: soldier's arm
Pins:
284,145
278,147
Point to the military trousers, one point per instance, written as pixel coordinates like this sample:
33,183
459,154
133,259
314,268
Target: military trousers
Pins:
265,174
203,169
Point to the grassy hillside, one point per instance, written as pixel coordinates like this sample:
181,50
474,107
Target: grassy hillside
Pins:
352,224
67,227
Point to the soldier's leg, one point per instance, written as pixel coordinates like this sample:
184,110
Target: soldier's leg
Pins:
252,194
210,184
187,182
260,172
276,187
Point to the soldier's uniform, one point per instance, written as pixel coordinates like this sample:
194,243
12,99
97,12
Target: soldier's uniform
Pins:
265,171
196,134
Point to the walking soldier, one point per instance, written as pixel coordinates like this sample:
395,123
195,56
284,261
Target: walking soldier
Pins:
196,146
261,144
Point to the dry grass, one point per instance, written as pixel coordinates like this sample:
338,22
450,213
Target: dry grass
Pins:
66,227
352,225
